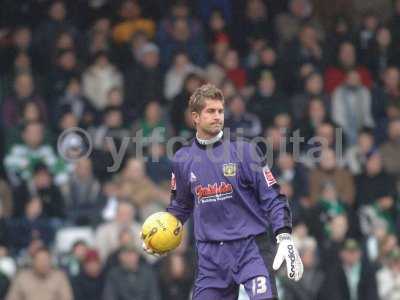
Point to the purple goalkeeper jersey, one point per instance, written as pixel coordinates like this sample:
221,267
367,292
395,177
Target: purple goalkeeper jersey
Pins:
230,190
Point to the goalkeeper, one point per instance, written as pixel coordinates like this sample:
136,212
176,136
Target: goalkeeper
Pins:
234,198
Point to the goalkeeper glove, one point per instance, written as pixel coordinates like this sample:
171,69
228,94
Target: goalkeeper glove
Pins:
149,250
288,252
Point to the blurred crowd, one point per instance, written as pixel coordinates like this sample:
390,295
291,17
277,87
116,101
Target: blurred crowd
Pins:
328,71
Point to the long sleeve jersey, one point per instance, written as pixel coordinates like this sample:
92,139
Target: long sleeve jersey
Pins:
229,189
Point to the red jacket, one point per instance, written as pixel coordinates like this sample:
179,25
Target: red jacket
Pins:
334,76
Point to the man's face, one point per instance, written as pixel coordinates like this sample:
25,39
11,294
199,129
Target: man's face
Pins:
129,260
350,257
33,135
394,130
42,263
347,55
211,119
92,268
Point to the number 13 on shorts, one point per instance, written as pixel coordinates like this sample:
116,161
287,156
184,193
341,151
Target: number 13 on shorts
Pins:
259,285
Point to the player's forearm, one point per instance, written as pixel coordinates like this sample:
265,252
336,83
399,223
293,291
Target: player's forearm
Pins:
280,215
180,211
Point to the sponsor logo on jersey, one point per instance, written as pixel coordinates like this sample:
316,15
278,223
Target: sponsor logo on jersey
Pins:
173,182
229,169
214,192
269,178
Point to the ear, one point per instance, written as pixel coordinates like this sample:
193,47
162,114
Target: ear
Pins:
195,117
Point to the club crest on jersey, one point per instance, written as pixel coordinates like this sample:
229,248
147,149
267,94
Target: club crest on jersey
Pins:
214,192
229,169
173,182
269,177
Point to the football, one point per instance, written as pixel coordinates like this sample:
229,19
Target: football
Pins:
162,232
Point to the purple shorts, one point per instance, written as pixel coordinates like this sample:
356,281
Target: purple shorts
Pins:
222,266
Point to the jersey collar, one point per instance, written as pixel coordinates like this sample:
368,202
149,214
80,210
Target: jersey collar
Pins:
209,141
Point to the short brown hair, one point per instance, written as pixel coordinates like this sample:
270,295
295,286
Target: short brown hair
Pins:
206,91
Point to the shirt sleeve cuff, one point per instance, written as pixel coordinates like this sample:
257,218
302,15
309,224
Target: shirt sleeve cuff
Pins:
283,230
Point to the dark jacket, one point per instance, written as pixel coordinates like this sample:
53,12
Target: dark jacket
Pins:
122,284
337,288
86,287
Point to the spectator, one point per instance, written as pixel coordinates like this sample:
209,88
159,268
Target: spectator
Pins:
346,60
391,148
313,88
356,156
41,281
395,21
182,37
311,287
351,107
112,127
367,32
233,70
257,23
158,166
240,121
329,172
107,234
72,262
98,78
74,101
131,279
288,24
373,181
66,68
131,21
46,33
381,53
146,75
21,44
294,173
41,186
316,118
386,96
83,201
267,101
89,283
180,103
305,49
217,27
268,61
330,203
341,31
176,74
33,224
214,72
137,187
176,277
99,37
24,91
23,157
335,232
6,201
388,277
352,279
326,137
153,127
30,112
